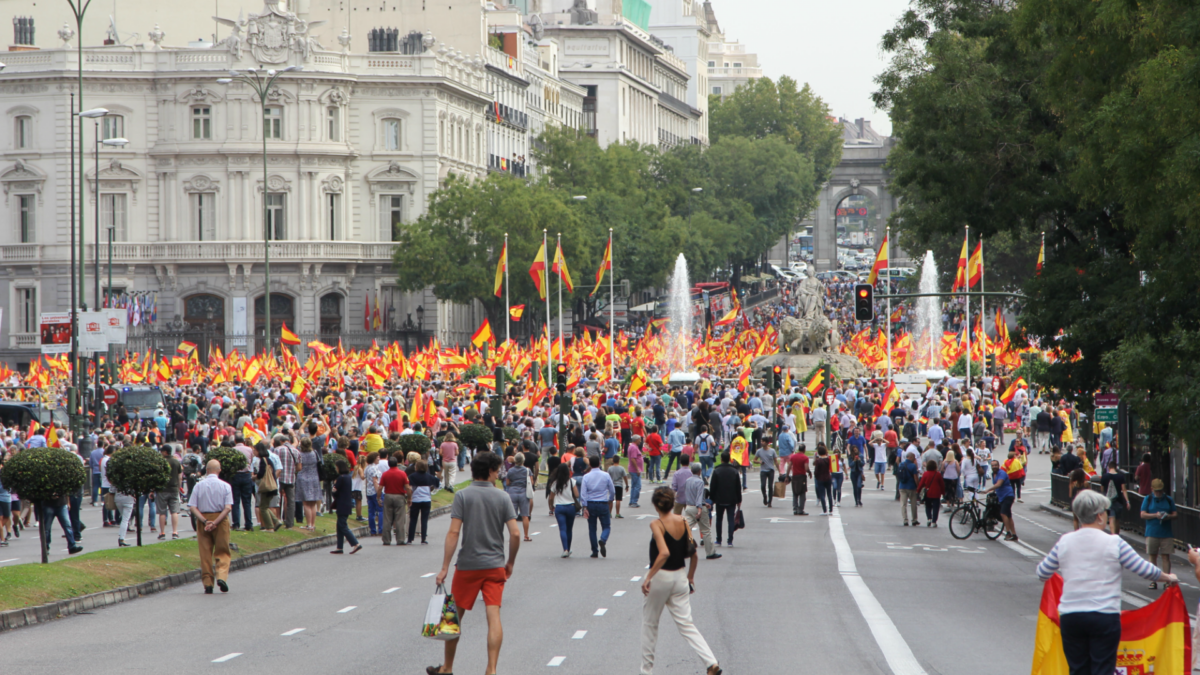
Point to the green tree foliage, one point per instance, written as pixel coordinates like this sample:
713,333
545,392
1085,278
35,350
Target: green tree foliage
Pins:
41,475
231,460
418,443
138,470
475,436
1079,119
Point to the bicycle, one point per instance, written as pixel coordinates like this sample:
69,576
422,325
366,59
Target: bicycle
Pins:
971,517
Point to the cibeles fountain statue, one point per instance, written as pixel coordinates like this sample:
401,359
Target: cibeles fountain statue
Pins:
810,338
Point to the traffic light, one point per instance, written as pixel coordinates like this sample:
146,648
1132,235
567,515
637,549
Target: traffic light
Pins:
991,362
774,378
560,377
864,302
564,399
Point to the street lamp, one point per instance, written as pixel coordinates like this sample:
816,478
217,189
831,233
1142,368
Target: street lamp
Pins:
580,198
261,81
95,115
78,375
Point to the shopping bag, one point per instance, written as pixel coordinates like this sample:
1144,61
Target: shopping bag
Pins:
739,522
780,490
441,617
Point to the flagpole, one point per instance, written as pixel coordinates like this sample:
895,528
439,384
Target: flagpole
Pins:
546,282
887,238
982,314
612,312
967,303
507,286
558,244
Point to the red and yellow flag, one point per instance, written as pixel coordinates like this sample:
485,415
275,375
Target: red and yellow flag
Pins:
483,335
744,379
1156,636
516,311
538,271
1041,256
960,277
817,383
560,268
287,337
728,318
1012,390
898,314
605,264
881,262
501,268
251,434
186,347
975,266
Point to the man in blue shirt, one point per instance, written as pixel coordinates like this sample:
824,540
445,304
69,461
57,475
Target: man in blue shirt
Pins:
786,443
1003,488
94,461
676,438
596,491
906,477
611,446
1158,510
857,441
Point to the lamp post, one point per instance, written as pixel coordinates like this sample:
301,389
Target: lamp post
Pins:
79,375
261,81
112,143
78,9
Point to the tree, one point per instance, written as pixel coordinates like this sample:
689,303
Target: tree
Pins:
455,246
475,436
41,475
231,460
137,471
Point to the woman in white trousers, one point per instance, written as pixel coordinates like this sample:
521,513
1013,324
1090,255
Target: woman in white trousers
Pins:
669,585
125,509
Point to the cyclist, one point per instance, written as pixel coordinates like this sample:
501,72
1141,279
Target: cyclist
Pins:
1002,486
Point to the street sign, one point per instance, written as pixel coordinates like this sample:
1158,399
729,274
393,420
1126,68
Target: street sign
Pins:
830,394
1106,415
1107,400
110,397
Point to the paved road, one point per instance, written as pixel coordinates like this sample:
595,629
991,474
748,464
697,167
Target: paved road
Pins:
853,593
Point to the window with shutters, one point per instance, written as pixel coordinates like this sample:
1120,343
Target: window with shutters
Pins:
204,215
276,217
390,217
27,318
27,218
113,214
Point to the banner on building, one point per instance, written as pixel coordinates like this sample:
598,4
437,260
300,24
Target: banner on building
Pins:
56,332
115,325
93,332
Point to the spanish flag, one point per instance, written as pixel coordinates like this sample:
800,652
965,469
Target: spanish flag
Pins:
186,347
515,312
728,318
287,337
881,262
960,277
1041,256
975,266
560,268
483,335
1156,636
891,396
1012,390
817,383
638,382
252,436
744,379
538,271
605,264
501,268
898,314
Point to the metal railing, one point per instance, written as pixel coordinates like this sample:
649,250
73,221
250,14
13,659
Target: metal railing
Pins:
1186,527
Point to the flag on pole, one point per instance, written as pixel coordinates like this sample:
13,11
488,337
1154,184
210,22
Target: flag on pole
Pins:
1009,393
252,435
501,268
898,314
287,337
560,268
728,318
1041,256
1154,638
975,266
881,262
516,311
605,264
186,347
538,272
744,379
367,311
483,335
891,396
960,277
816,383
376,319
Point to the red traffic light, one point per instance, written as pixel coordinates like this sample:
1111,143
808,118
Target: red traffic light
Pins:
862,292
777,369
561,369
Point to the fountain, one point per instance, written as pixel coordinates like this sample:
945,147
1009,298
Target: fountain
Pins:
928,327
679,328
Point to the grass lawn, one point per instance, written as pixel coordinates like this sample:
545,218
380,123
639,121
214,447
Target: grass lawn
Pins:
36,584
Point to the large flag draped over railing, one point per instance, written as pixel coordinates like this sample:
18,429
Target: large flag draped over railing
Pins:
1154,639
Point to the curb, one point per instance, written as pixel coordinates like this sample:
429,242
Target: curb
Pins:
31,616
1133,538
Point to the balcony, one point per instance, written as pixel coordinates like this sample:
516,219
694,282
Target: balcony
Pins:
128,253
735,72
511,115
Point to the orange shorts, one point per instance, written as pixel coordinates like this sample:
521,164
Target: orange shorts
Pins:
467,584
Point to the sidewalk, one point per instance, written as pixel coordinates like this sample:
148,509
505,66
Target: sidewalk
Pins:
1137,541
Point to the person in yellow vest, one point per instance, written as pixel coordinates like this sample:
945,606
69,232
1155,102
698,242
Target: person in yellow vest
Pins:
739,455
798,418
1015,468
1068,436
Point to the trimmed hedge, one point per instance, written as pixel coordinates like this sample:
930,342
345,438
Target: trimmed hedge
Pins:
476,436
231,461
41,474
138,470
417,443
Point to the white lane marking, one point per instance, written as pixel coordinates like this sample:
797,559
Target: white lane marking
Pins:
601,612
579,635
554,526
785,520
618,594
227,657
1015,546
351,608
556,661
292,632
1030,520
1134,599
897,652
393,589
426,576
636,579
9,560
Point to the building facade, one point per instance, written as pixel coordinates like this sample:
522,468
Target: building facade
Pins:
730,63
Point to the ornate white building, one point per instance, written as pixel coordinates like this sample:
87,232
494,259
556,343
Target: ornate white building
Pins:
356,143
730,64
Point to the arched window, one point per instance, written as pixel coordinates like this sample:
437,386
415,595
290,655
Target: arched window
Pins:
205,311
331,314
282,310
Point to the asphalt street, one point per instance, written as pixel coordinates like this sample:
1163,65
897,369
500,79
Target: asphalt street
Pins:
852,593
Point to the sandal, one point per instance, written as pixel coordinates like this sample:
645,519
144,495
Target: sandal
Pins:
435,670
528,539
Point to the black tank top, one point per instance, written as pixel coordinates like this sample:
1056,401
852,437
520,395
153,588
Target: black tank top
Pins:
676,551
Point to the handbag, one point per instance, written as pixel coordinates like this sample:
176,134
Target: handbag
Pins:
781,489
691,547
441,617
739,521
268,483
110,501
921,494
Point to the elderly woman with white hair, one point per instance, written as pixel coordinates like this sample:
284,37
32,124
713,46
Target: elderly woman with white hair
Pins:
1090,561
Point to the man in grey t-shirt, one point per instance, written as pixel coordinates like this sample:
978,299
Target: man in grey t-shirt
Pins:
480,513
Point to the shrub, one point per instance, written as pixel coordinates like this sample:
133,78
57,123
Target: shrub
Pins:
42,474
476,436
328,467
417,443
138,470
391,446
511,434
231,461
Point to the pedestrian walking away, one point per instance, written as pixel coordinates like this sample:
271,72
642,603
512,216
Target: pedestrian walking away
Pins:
480,515
668,585
211,503
343,502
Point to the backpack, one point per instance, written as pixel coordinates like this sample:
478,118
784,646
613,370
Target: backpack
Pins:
702,445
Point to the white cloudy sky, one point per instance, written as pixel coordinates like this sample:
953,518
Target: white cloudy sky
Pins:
831,44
